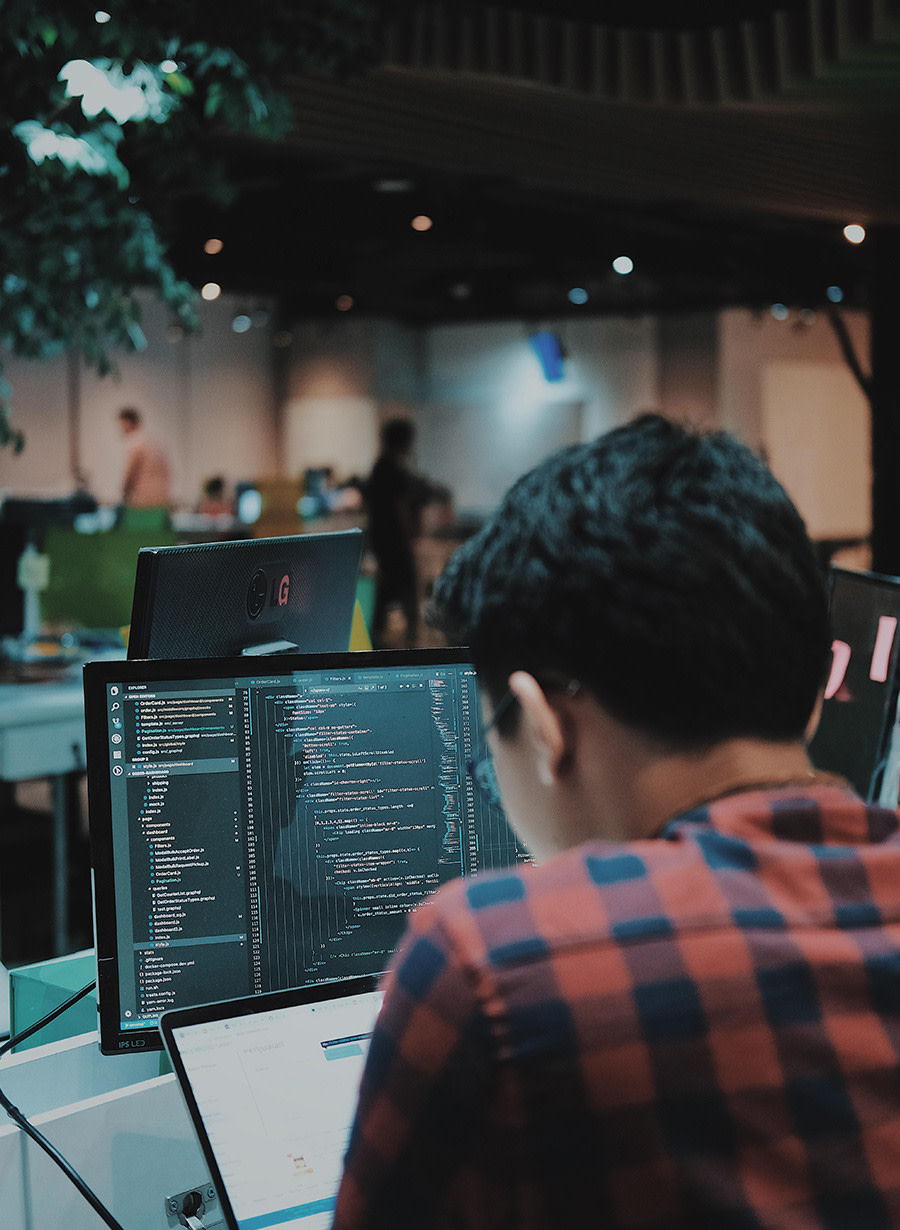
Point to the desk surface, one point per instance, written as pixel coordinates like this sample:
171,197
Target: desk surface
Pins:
42,719
41,729
28,704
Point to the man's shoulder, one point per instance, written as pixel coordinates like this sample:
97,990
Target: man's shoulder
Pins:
601,864
765,859
587,896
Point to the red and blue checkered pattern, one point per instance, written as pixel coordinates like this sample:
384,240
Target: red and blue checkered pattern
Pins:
700,1030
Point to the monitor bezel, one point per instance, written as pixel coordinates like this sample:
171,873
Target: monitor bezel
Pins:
97,676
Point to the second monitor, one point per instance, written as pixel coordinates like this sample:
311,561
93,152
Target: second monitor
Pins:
857,729
260,595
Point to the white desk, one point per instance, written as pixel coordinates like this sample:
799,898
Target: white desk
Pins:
119,1123
42,735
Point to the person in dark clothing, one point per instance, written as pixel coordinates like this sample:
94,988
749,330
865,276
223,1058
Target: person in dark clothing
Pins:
394,497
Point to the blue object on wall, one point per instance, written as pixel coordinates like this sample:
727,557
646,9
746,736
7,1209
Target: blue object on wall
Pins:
549,351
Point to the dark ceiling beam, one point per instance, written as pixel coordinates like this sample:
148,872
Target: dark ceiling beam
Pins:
727,158
748,54
825,163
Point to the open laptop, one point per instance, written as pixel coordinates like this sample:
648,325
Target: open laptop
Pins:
270,1082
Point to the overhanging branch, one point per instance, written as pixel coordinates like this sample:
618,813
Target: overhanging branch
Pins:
845,341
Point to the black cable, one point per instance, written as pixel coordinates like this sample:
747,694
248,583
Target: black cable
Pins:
24,1034
30,1130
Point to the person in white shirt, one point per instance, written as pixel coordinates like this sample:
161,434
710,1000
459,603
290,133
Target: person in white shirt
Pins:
148,479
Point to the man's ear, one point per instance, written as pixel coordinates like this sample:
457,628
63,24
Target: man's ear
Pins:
542,726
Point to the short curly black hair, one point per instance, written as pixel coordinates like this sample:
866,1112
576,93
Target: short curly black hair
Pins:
664,568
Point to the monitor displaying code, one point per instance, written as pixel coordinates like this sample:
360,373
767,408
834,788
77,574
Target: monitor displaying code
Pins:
273,829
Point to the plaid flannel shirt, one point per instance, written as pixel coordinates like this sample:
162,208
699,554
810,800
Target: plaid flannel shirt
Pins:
698,1030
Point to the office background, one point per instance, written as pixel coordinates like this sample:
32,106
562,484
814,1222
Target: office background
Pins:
239,405
396,251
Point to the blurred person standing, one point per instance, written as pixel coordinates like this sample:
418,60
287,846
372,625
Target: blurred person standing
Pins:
148,480
394,522
395,496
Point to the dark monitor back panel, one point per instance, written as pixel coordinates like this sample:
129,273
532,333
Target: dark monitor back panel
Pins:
218,599
861,691
262,823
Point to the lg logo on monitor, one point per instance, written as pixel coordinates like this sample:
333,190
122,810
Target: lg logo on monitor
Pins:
268,587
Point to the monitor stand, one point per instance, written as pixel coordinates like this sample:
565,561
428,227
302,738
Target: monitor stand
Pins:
269,647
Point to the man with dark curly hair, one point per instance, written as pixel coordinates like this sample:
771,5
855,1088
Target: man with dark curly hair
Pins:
686,1013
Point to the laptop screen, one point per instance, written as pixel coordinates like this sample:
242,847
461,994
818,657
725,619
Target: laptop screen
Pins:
271,1088
259,824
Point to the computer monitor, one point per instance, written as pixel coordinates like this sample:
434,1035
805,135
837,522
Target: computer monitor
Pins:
258,824
36,514
12,598
263,595
861,691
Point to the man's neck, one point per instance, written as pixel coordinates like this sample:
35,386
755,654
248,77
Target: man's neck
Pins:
671,785
631,787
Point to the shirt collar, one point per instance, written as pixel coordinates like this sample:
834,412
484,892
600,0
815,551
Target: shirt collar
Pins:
823,813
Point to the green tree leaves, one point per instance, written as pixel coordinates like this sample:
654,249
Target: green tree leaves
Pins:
105,127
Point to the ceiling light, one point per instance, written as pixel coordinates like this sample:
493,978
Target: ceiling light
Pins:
578,295
834,294
779,311
623,264
854,233
344,303
210,290
102,17
168,66
421,222
241,323
213,246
